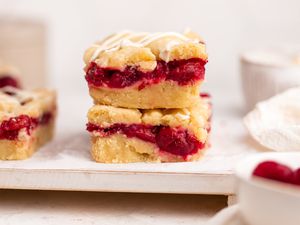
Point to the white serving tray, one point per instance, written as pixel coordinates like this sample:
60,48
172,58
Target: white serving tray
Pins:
65,164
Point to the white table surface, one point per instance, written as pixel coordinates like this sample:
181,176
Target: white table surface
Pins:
78,208
65,163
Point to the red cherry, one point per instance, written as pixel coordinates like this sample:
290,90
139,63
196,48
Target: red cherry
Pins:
45,118
9,129
274,171
122,79
144,132
297,177
16,123
177,141
205,95
185,71
9,81
95,75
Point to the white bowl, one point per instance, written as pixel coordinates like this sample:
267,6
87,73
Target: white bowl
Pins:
268,202
267,72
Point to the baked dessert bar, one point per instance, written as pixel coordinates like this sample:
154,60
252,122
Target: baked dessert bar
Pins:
26,121
146,70
121,135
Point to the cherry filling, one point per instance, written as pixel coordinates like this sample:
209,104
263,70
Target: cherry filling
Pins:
277,171
45,118
9,129
177,141
183,72
8,81
205,95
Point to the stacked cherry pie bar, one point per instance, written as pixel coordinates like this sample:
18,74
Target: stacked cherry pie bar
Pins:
26,118
148,106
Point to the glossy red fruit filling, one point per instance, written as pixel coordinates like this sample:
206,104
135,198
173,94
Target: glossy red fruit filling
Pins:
45,118
183,72
297,176
277,171
9,81
177,141
9,129
205,95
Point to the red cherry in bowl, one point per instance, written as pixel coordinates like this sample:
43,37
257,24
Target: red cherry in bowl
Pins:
274,171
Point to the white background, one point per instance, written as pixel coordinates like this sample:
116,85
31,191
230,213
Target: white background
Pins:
228,26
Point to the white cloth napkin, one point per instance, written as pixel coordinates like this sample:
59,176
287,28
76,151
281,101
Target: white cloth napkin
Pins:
275,123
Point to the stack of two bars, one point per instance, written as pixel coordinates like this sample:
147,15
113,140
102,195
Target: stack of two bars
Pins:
148,106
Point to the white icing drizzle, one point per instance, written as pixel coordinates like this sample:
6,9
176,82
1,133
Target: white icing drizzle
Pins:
148,39
165,52
183,116
107,44
123,39
20,95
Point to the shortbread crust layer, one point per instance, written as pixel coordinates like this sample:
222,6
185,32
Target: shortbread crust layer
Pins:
162,95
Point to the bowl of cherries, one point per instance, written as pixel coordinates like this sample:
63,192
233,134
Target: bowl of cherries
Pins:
269,188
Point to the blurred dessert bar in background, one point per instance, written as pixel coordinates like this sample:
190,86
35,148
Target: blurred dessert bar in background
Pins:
26,117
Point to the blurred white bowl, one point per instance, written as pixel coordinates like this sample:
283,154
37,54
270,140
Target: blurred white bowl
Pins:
267,72
268,202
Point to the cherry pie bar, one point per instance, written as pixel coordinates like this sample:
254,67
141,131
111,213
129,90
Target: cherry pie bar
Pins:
146,70
122,135
26,119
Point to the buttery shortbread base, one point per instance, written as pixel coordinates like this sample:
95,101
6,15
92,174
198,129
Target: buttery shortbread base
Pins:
118,148
163,95
22,149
